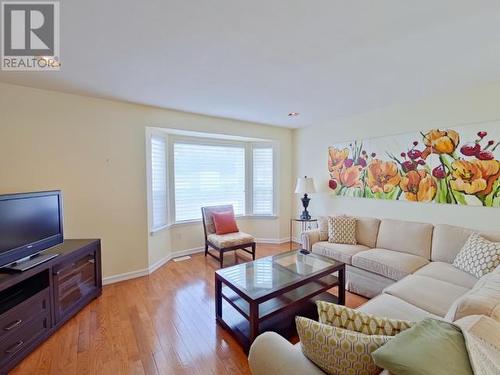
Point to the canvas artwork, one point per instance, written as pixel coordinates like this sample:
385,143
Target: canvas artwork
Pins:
454,166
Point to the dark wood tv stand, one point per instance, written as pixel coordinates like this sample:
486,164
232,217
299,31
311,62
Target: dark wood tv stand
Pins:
35,303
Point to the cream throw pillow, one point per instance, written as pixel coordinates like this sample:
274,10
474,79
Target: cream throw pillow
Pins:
344,317
338,351
323,228
478,256
342,229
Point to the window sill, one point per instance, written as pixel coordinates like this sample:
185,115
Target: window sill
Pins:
155,231
199,221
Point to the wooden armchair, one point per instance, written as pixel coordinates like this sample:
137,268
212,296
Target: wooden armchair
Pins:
224,242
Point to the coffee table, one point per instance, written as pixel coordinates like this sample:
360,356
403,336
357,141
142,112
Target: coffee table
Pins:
269,292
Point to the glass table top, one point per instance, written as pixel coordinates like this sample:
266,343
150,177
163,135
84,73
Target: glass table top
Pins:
275,272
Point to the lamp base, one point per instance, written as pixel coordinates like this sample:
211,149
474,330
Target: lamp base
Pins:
305,215
305,202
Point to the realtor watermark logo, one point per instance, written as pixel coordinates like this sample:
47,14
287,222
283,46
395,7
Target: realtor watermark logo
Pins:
30,35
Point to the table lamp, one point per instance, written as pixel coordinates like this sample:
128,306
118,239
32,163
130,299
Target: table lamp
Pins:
305,185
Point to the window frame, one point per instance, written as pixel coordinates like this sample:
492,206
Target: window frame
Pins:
248,146
150,134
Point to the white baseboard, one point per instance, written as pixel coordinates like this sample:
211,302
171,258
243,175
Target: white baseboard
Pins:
272,240
124,276
152,268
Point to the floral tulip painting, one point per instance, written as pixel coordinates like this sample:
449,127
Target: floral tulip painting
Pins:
454,166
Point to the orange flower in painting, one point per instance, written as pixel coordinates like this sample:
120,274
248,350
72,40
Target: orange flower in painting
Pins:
418,186
350,176
475,176
336,158
382,176
440,142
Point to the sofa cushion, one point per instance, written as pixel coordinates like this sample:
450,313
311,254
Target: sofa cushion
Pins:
483,299
405,236
429,294
447,272
388,263
448,240
341,252
367,231
365,283
387,306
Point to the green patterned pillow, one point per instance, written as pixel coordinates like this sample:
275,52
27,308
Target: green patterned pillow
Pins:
344,317
338,351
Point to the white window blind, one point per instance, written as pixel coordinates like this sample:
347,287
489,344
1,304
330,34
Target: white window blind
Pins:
206,175
158,181
263,184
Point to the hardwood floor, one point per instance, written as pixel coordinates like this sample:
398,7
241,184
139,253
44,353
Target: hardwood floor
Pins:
159,324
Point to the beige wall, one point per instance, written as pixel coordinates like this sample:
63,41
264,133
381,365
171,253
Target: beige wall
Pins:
94,150
476,105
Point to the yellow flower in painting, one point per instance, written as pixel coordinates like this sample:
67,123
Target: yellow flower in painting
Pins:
475,176
440,142
382,176
418,186
336,158
350,176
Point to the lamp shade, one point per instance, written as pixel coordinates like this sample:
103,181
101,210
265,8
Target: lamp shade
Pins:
305,185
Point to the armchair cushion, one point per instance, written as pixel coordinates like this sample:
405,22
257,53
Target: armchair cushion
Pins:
339,351
230,239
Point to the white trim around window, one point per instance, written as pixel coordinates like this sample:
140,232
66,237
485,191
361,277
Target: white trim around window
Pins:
259,187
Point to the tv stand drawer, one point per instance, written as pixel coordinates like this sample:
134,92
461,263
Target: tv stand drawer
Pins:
15,318
15,343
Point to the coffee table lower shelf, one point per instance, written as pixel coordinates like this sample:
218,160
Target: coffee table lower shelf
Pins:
282,322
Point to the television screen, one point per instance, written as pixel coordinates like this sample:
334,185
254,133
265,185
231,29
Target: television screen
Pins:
29,223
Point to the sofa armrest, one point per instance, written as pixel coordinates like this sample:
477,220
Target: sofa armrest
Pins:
272,354
309,238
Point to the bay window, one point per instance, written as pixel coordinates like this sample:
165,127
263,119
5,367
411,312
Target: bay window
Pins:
205,172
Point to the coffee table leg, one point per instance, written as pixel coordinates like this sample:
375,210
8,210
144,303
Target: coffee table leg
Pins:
342,286
254,321
218,298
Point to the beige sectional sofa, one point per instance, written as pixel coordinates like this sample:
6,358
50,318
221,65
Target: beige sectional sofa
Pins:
407,268
389,250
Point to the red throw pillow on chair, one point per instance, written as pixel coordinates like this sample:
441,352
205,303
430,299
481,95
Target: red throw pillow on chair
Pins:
224,222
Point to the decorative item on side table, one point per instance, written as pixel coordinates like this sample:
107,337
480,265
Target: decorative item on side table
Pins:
305,185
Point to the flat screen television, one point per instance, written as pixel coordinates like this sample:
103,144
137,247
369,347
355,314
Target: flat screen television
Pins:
29,224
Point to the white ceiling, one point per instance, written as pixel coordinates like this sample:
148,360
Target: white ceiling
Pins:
258,60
